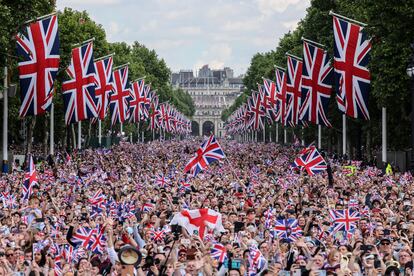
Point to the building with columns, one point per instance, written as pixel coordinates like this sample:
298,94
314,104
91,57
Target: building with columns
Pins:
212,92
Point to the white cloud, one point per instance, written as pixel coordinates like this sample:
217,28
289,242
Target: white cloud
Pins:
290,25
188,31
166,44
268,7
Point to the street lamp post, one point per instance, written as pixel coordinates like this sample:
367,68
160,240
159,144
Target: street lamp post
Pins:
410,73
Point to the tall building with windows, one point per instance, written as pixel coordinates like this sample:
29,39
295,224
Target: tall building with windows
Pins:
212,91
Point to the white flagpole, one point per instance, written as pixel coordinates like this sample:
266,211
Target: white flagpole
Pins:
100,132
264,133
303,137
52,130
277,133
384,134
138,132
5,168
121,129
343,134
319,136
285,136
79,135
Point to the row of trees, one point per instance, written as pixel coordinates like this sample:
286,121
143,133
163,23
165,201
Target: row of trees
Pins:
74,27
390,24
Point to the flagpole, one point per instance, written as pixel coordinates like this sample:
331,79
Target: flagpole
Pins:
343,134
277,133
384,134
319,136
5,168
40,17
347,18
100,132
285,136
138,132
264,133
303,137
79,135
52,129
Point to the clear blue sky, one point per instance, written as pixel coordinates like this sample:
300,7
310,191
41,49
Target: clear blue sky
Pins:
191,33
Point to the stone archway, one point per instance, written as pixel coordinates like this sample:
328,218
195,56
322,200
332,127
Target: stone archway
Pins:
195,128
208,128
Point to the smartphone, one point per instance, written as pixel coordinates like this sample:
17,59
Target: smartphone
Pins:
321,272
387,232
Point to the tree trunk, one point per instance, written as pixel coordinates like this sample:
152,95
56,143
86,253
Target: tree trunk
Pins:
31,123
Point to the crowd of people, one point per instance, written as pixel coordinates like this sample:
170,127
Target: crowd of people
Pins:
87,207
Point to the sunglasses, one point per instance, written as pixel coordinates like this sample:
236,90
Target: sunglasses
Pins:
10,255
385,243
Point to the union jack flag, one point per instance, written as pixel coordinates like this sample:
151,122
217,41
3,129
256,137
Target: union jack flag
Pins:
30,179
98,198
287,229
162,181
353,203
154,112
293,92
165,117
104,85
344,220
270,99
256,260
256,109
157,235
119,102
311,161
137,102
185,186
98,242
209,152
352,77
9,201
316,85
83,237
147,207
39,49
281,87
218,252
79,91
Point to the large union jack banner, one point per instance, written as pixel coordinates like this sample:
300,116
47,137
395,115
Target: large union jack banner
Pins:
257,111
39,49
79,90
119,104
280,94
209,152
352,77
270,99
104,85
293,91
136,104
316,85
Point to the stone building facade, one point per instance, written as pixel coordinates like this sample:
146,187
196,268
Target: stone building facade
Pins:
212,92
